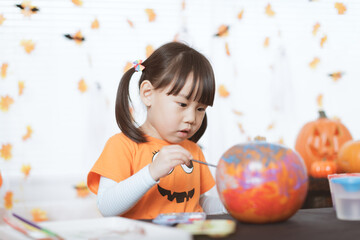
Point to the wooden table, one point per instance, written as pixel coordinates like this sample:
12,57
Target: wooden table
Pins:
306,224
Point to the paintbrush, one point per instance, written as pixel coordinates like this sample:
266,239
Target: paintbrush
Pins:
17,227
48,232
209,164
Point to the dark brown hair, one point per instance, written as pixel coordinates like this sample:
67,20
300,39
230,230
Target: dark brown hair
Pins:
170,64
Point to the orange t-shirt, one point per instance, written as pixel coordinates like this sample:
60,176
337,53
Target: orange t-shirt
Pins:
179,191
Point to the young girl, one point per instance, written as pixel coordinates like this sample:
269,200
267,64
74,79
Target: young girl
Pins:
147,170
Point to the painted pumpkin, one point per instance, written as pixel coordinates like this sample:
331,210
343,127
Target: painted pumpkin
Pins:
349,157
321,169
321,139
260,182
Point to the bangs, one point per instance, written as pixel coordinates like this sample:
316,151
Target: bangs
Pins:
193,67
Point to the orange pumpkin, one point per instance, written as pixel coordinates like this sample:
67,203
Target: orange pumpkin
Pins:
349,157
321,169
321,139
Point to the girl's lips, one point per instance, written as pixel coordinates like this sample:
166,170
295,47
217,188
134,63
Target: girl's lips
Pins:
187,130
183,133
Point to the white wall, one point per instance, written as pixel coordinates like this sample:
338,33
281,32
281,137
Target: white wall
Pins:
271,85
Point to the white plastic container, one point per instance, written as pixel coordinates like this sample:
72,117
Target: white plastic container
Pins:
331,185
346,193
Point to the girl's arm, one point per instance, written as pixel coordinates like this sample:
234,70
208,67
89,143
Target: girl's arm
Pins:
212,205
116,198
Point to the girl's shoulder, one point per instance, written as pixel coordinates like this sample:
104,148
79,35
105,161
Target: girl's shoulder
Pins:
121,138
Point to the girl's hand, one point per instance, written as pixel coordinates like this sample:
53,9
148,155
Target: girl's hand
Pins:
168,158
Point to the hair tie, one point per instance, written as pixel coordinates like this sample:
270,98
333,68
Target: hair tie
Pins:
137,66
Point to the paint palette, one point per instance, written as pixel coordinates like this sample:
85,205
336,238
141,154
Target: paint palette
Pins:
176,218
212,227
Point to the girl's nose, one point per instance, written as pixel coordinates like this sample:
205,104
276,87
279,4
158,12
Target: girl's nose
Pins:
190,116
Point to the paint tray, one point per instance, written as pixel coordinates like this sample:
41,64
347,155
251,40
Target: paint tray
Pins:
176,218
212,227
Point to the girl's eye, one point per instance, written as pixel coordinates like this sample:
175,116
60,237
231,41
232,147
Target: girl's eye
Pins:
182,104
201,109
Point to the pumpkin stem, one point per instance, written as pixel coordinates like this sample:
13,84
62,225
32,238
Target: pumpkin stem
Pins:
322,114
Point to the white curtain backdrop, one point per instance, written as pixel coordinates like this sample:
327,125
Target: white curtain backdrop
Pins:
272,89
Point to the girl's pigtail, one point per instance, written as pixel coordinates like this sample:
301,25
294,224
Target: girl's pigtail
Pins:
123,115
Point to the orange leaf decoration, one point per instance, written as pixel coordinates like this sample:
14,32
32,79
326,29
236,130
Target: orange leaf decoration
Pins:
82,190
336,118
77,2
8,200
240,14
223,31
5,103
281,140
176,37
316,28
236,112
319,101
223,92
95,24
28,45
227,49
5,151
313,64
151,14
2,19
149,50
3,70
266,42
131,24
323,40
241,128
21,86
27,9
271,126
25,169
269,11
39,215
78,37
336,75
340,7
28,133
82,86
128,66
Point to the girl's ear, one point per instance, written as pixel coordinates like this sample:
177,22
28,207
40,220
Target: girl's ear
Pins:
146,90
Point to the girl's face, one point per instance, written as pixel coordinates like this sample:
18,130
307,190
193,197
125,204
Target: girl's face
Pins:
173,118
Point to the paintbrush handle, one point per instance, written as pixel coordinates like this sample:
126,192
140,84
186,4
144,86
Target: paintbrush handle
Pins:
37,226
209,164
17,227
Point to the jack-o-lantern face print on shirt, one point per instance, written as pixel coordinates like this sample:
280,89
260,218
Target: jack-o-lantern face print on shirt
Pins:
176,174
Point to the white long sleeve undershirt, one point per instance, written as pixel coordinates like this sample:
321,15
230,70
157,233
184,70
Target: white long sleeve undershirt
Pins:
116,198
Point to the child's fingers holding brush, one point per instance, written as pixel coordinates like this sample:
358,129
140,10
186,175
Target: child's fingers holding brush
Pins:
168,158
